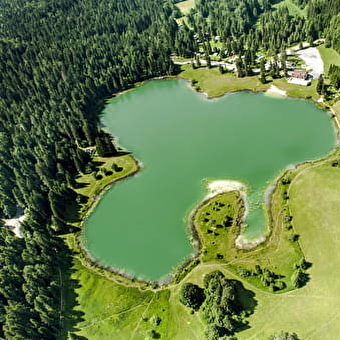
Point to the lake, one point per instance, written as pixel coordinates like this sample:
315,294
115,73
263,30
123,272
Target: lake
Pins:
183,139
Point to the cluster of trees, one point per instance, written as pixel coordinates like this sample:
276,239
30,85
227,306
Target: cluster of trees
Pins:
283,336
58,60
299,277
334,75
268,278
333,33
221,304
334,80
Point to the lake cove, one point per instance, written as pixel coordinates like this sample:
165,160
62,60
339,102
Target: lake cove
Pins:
183,141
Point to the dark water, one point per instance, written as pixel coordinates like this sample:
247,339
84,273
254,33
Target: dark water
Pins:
182,138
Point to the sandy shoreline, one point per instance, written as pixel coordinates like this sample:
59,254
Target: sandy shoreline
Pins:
243,243
275,91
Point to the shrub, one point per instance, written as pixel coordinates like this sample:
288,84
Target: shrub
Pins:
293,237
155,320
243,272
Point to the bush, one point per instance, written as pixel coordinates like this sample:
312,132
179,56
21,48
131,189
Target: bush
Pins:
299,278
155,320
243,272
293,237
153,334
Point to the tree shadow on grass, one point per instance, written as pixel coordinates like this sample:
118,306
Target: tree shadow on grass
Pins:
81,185
71,317
245,297
245,300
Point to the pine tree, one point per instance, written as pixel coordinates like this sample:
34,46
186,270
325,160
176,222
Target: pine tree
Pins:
320,85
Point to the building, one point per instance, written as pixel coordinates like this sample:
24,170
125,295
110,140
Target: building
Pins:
299,74
300,77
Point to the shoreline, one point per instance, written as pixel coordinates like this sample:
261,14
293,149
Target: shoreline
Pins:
108,186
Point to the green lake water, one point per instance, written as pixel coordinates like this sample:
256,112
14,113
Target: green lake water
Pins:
182,138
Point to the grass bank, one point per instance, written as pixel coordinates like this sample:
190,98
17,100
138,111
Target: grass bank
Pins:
215,84
108,170
329,56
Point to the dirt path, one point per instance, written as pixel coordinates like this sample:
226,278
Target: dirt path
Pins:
204,62
141,318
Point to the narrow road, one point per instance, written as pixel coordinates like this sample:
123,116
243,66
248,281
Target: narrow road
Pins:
204,62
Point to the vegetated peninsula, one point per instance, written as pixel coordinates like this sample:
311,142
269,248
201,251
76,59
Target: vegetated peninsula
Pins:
59,61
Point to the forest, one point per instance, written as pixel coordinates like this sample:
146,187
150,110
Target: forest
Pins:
59,60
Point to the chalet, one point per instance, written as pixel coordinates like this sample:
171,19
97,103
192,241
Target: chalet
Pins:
299,74
300,77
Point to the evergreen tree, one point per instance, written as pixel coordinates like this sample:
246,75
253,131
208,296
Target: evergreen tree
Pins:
320,85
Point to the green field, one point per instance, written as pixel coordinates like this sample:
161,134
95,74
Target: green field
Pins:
89,187
294,10
215,84
278,255
185,6
329,56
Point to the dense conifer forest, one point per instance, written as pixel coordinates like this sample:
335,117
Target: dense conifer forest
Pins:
247,26
58,60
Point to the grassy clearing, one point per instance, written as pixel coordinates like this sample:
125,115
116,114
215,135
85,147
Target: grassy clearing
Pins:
294,10
185,6
329,56
336,109
113,311
299,91
215,84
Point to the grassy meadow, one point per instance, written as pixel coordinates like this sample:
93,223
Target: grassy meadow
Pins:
293,9
185,6
329,56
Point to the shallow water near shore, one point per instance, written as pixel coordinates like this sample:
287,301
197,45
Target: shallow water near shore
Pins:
140,224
